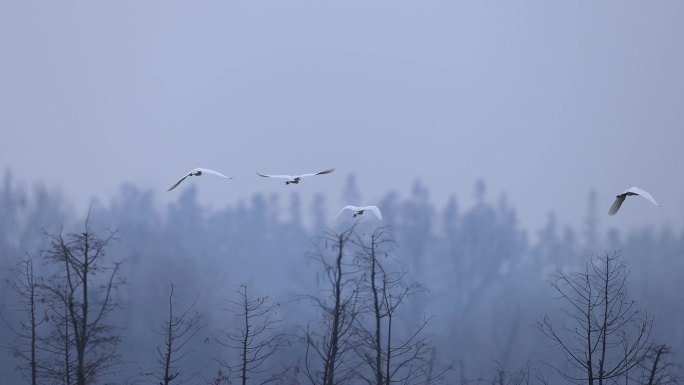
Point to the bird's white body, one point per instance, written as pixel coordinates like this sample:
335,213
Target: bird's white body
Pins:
198,171
630,191
359,210
295,179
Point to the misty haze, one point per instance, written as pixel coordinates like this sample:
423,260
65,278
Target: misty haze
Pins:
352,192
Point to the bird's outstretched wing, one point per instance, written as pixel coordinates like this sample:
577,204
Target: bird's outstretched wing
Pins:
209,171
616,205
328,171
347,207
643,194
375,211
630,191
196,169
276,176
179,182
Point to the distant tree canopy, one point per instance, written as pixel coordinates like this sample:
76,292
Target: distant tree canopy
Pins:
484,276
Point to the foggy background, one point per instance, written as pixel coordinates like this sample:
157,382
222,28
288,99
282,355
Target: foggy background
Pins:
543,100
500,118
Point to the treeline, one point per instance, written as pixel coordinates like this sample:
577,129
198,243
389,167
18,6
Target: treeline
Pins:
437,295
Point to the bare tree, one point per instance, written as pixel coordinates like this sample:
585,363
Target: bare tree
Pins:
527,375
25,345
608,336
59,342
524,376
178,330
407,360
86,282
390,359
372,350
256,340
656,369
327,358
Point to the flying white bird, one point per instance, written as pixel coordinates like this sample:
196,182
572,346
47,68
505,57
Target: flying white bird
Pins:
197,172
358,210
296,178
630,191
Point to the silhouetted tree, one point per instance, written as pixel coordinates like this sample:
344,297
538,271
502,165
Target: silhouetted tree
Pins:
12,206
59,343
256,340
186,225
25,345
134,212
487,243
610,336
372,349
80,258
178,330
408,360
46,213
591,222
332,344
416,226
556,248
524,376
657,368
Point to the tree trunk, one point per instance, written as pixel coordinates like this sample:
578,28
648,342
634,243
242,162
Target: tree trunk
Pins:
169,341
83,340
590,367
604,326
32,302
389,348
376,306
245,341
654,369
329,374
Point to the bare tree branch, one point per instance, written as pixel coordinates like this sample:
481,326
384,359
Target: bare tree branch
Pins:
256,341
611,336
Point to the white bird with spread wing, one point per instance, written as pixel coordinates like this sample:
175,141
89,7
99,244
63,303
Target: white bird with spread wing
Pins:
198,171
630,191
295,179
359,210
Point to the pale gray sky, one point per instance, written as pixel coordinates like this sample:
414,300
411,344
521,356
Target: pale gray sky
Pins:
544,100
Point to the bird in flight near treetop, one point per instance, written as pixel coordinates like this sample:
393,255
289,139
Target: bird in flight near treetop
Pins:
359,210
295,179
198,171
630,191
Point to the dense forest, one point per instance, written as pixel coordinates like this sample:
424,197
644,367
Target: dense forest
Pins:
273,291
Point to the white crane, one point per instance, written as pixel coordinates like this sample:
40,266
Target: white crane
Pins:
295,179
630,191
198,171
359,210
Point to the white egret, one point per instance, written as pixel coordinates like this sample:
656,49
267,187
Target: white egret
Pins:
295,179
630,191
198,171
359,210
